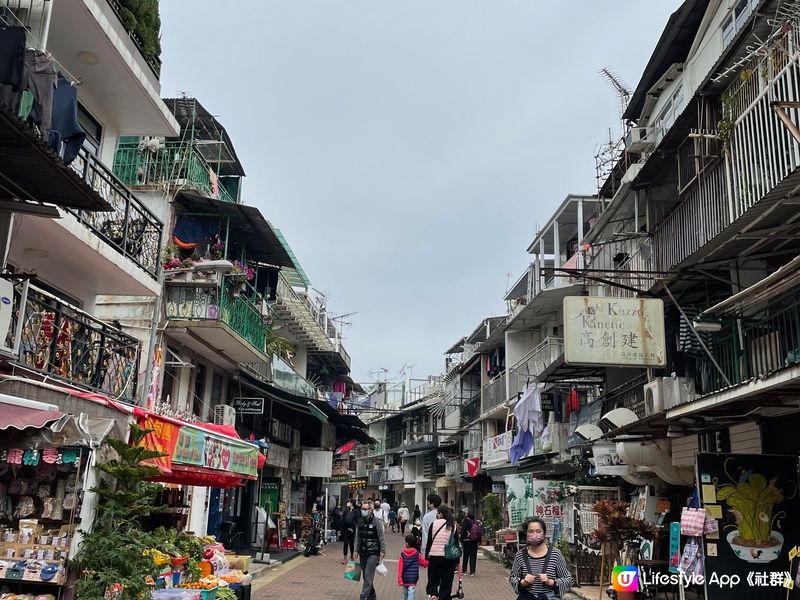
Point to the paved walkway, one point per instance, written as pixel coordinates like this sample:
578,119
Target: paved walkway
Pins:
323,577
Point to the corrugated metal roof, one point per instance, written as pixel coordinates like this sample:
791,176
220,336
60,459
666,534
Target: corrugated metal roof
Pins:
296,276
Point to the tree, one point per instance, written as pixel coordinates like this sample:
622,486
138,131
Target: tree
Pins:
114,551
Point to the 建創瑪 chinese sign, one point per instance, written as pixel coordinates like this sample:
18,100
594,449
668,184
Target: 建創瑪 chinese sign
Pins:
614,331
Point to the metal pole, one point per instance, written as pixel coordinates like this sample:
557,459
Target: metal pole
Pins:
325,534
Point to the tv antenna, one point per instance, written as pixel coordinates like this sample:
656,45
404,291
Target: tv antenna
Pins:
340,319
380,372
607,153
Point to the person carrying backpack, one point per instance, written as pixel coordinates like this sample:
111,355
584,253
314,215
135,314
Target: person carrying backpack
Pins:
470,540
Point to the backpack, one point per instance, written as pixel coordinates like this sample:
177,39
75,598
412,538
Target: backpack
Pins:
475,532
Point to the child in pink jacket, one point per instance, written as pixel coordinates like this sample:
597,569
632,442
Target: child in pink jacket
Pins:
408,567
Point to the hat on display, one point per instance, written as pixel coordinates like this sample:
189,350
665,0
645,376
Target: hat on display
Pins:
17,571
50,571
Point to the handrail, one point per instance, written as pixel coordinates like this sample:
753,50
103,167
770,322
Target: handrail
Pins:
130,227
64,341
173,162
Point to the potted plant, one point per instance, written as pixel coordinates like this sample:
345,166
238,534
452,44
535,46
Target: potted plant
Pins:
615,529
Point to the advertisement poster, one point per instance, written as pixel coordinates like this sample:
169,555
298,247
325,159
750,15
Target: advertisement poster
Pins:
555,509
162,438
519,497
754,499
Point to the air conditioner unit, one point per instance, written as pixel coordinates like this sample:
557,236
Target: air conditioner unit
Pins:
224,415
653,397
639,139
676,390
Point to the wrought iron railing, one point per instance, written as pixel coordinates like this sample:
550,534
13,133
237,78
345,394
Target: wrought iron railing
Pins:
63,341
193,301
173,163
493,393
534,363
130,227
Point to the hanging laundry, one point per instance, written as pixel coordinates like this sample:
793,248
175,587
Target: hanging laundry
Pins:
573,402
194,231
528,410
12,63
521,446
41,78
340,387
65,127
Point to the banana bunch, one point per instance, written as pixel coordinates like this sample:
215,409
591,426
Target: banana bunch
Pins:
158,557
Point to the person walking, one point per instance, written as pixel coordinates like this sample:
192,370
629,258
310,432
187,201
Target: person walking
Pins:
417,514
442,570
350,519
416,531
434,502
393,520
470,538
408,568
403,516
539,571
385,509
370,548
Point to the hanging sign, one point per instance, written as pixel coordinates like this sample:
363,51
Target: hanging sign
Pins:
550,505
31,457
519,497
495,449
278,456
626,332
249,406
203,449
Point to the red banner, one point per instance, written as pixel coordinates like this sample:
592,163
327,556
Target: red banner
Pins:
473,466
162,438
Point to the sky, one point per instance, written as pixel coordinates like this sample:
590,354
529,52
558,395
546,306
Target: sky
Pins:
408,149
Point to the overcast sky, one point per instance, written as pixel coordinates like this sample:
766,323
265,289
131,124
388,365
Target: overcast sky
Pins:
409,148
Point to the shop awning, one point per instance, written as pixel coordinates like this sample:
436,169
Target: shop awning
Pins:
21,417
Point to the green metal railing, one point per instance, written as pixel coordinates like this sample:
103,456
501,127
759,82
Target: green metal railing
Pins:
218,303
377,449
756,346
173,163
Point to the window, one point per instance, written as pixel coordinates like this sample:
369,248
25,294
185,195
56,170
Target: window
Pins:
669,113
736,19
93,129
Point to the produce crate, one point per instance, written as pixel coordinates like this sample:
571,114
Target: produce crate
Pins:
208,594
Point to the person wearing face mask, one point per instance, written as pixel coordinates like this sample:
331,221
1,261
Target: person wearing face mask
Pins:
350,519
370,548
539,571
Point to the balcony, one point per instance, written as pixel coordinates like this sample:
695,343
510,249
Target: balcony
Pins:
306,321
759,345
59,340
471,410
152,58
378,476
534,364
495,449
130,228
394,440
493,394
208,314
285,377
173,164
453,467
377,449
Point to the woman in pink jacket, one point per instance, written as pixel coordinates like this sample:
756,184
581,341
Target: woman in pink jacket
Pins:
441,570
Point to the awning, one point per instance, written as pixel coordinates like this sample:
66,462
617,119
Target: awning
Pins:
245,222
21,417
752,298
30,173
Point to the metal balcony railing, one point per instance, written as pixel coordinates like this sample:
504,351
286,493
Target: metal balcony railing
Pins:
130,228
193,301
174,163
493,393
377,449
534,363
65,342
757,346
471,410
306,312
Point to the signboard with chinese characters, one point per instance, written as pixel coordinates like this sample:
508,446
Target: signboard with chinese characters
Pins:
495,449
278,456
552,505
162,438
204,449
627,332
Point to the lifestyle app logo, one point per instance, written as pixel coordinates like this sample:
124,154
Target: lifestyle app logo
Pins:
625,579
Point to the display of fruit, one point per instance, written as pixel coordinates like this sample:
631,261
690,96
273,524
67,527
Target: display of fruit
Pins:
160,558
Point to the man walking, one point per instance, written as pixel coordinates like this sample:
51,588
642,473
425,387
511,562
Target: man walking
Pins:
350,519
371,548
403,515
434,502
385,509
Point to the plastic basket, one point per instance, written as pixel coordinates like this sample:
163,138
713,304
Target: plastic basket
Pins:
208,594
